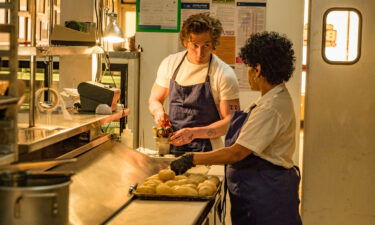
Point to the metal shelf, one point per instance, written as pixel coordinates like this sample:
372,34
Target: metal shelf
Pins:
53,50
35,138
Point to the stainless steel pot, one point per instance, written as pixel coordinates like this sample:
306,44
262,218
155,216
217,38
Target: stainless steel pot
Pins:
34,199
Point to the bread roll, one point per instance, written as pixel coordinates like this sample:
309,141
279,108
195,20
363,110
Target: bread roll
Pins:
198,178
163,189
165,175
180,177
192,181
144,189
205,190
183,181
171,183
152,182
183,190
209,183
190,185
215,180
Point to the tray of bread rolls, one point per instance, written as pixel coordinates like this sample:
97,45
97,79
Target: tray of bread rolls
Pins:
168,186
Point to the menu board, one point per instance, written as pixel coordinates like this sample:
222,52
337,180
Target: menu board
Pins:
158,15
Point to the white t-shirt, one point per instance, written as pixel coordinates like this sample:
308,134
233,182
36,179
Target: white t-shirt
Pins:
223,80
270,128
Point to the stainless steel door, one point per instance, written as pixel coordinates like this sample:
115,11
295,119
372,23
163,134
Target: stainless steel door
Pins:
339,156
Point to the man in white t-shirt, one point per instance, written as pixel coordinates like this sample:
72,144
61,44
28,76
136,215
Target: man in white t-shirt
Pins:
202,89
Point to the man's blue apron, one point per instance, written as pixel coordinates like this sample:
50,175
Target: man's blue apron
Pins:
192,106
261,193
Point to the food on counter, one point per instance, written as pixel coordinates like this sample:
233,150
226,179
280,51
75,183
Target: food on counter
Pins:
165,175
182,182
172,183
197,178
183,190
144,189
190,185
206,190
164,189
180,177
152,182
208,183
215,180
167,183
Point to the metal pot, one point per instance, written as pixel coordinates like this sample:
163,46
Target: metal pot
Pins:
35,198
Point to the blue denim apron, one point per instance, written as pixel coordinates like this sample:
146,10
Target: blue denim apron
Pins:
192,106
261,193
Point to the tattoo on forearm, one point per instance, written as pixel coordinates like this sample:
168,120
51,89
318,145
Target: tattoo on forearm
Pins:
234,107
190,137
211,132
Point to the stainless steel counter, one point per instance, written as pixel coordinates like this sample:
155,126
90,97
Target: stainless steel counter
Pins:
152,212
144,212
103,177
55,128
99,191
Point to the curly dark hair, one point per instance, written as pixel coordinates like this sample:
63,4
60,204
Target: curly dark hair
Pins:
273,52
201,23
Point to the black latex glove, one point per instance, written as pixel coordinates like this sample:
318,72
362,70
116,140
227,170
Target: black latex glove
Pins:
182,163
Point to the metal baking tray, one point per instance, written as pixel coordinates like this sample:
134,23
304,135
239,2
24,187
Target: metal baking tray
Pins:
132,190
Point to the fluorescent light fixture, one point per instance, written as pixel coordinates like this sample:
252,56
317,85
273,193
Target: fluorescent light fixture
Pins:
112,31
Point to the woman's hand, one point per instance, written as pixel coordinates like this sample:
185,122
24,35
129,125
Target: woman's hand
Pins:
182,137
182,163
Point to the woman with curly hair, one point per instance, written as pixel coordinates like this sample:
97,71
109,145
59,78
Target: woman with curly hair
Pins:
262,181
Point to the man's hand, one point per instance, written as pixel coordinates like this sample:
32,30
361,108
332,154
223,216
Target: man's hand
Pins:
182,163
182,137
160,118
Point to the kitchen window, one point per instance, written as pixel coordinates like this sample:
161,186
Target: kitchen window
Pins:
341,36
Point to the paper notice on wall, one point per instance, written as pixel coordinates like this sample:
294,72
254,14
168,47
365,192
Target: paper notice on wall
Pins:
158,13
225,11
250,18
191,7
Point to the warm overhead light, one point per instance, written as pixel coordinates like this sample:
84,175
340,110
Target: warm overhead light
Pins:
112,31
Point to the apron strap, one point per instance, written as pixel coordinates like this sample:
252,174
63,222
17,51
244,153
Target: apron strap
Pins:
222,205
178,67
209,70
296,168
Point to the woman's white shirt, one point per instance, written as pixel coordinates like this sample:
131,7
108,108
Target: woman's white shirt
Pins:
270,129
